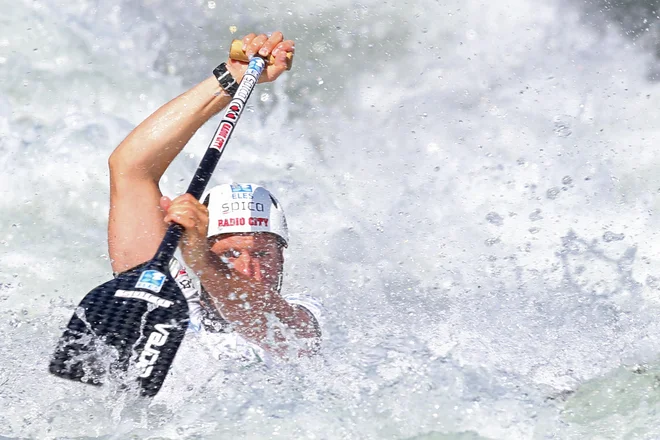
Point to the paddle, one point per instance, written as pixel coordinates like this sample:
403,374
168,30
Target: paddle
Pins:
131,327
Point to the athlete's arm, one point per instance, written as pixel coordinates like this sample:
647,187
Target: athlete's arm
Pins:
259,314
135,226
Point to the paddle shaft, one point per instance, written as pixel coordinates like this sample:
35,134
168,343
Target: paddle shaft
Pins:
213,153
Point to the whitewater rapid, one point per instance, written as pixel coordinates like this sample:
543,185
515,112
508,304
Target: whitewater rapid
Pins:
471,191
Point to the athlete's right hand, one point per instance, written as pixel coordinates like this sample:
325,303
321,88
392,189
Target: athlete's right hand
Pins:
194,217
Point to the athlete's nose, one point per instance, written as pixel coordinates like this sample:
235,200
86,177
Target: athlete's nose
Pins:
249,266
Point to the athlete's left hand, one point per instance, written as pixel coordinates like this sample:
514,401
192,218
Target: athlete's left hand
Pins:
194,217
264,45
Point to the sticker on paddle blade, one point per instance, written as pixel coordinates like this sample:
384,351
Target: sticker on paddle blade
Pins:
151,351
151,280
148,297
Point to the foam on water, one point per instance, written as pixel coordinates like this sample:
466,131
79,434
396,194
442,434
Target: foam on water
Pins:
471,190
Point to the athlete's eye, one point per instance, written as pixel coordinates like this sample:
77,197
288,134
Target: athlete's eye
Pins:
231,253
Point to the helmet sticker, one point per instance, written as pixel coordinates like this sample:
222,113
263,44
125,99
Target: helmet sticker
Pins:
245,207
241,188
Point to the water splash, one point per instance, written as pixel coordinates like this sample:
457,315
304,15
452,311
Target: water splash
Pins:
488,265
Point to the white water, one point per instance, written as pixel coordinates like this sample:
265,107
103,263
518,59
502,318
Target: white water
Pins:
471,190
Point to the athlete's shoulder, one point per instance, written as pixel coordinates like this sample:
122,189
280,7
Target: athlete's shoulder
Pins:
311,304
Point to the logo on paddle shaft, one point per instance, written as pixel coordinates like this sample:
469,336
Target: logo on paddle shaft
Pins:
246,86
248,82
234,110
150,354
223,134
227,124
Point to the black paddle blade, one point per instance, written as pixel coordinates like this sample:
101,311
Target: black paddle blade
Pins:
129,328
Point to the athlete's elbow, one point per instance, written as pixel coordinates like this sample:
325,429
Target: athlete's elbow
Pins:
117,162
123,166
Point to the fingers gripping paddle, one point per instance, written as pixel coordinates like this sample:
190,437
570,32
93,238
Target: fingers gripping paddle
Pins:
132,326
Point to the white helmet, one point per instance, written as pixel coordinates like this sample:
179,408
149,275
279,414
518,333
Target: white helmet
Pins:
244,207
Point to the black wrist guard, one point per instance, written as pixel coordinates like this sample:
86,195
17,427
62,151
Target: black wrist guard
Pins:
227,82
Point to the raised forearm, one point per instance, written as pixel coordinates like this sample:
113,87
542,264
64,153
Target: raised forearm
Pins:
256,312
152,146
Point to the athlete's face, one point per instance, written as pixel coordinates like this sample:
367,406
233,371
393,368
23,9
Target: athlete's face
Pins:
257,256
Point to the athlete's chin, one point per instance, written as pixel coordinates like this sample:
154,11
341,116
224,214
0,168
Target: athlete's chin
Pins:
259,284
268,288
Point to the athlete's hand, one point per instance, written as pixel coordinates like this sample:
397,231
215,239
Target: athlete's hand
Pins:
194,217
264,46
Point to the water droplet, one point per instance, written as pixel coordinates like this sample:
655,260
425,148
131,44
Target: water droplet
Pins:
319,80
567,180
610,236
552,193
265,97
494,218
562,126
535,215
492,241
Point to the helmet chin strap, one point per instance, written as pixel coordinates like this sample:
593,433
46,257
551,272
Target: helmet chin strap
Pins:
280,277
